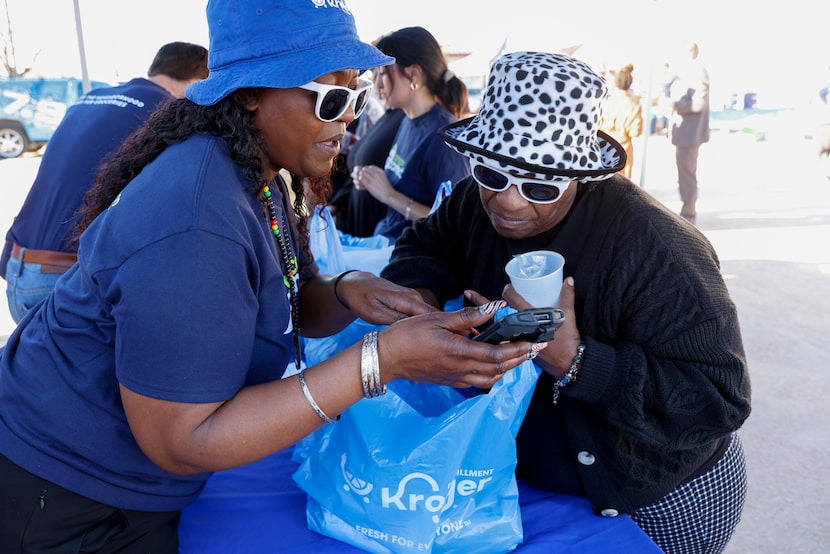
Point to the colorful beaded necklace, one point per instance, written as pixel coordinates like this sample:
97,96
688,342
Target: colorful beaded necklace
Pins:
289,265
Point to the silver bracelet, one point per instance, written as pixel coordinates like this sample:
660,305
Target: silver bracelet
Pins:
408,210
366,374
307,393
570,376
370,367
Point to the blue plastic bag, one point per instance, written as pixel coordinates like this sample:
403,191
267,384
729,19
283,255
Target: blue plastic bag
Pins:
324,243
335,251
444,190
421,469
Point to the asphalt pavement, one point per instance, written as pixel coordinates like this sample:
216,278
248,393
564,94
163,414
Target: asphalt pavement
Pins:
765,206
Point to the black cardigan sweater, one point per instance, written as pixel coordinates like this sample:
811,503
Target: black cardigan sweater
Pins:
664,380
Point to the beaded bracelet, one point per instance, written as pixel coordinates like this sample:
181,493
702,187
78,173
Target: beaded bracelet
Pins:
370,367
307,393
337,282
570,376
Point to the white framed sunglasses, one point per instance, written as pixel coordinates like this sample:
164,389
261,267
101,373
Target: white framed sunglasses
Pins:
532,190
334,100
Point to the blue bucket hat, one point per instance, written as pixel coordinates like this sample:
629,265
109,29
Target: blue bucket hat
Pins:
279,44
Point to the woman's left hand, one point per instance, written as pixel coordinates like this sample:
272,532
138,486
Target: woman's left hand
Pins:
379,301
557,357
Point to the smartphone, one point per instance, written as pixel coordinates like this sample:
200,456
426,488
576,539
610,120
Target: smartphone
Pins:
534,325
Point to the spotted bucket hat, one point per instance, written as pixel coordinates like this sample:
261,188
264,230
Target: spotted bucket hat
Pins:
540,115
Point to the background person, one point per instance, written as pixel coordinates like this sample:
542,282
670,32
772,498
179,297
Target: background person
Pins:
824,121
622,115
340,179
661,102
39,247
160,355
422,85
364,211
689,125
645,384
356,211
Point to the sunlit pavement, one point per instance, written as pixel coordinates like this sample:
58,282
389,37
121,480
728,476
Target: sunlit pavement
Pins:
765,206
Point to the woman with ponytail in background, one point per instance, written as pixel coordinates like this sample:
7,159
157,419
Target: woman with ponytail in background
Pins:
431,96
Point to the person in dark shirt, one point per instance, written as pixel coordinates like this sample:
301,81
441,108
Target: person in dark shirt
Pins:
172,349
431,95
39,245
689,124
362,211
645,384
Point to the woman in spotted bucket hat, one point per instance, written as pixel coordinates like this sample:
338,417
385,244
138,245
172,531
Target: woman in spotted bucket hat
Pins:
645,384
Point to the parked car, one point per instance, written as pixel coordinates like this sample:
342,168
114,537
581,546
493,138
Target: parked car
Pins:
31,109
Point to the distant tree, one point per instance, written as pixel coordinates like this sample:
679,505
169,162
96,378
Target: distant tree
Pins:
7,55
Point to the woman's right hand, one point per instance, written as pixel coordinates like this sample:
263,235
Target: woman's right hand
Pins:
434,348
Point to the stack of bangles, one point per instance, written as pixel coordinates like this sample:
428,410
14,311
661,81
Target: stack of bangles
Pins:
370,367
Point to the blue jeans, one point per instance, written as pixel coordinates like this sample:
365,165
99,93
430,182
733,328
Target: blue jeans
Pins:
26,286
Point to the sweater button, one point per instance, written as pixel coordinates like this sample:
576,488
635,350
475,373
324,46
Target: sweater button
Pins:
586,458
609,512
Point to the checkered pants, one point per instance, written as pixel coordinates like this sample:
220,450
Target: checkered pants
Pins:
700,516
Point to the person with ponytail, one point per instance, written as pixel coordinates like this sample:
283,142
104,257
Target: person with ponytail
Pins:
432,96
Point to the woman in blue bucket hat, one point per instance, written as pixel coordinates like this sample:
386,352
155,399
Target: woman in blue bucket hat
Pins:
161,356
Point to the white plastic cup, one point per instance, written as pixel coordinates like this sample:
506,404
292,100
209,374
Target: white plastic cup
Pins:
537,276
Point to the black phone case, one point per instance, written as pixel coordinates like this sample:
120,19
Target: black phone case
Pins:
534,325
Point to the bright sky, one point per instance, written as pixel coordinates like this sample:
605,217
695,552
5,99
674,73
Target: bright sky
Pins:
781,51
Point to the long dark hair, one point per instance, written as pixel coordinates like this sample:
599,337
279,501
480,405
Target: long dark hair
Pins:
417,46
174,122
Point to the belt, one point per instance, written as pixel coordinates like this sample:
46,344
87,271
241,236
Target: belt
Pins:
50,261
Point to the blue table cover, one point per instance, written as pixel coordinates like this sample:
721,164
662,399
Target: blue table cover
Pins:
258,509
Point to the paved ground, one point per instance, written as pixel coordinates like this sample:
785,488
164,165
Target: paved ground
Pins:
766,208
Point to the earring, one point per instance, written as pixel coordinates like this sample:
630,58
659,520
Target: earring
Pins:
413,85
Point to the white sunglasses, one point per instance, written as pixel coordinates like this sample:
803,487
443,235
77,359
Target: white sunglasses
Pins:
532,190
334,100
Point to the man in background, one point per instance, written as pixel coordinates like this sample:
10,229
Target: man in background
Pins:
39,247
689,126
824,121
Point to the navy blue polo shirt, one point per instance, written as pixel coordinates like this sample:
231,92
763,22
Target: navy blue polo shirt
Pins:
92,129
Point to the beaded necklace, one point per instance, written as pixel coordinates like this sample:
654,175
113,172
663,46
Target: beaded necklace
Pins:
289,267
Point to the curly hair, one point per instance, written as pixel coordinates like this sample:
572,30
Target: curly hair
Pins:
174,122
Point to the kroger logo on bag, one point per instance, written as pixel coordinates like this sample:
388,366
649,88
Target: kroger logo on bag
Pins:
418,490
